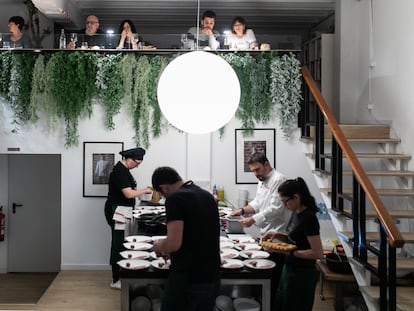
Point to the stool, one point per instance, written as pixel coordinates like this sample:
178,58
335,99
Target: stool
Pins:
338,278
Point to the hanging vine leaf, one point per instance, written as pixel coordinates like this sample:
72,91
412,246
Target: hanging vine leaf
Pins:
38,88
158,63
128,65
141,102
6,64
109,83
73,87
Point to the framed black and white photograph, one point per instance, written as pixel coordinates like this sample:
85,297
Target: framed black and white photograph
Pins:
98,160
262,140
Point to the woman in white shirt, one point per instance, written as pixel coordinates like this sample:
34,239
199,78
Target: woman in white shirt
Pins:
241,38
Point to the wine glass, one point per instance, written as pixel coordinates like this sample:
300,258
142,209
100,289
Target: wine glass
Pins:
74,38
184,40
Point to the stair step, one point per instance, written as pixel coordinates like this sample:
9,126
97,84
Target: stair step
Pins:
393,213
403,264
381,192
391,173
374,236
404,296
359,131
389,156
310,140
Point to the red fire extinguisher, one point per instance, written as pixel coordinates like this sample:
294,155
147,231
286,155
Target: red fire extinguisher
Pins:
2,223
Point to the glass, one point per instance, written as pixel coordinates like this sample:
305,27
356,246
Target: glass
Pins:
184,40
6,45
84,46
74,39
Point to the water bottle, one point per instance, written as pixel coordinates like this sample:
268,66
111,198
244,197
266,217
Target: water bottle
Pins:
62,40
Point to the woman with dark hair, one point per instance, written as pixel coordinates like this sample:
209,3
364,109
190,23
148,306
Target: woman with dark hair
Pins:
129,37
241,38
299,275
17,39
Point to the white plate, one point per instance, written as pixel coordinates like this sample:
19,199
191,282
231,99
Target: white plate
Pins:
138,238
254,254
161,264
240,238
135,254
226,245
134,264
231,263
228,253
138,246
248,247
259,263
158,237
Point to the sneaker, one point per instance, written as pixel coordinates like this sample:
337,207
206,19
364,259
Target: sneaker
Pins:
116,285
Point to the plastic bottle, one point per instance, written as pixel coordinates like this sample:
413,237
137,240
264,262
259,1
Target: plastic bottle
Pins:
62,39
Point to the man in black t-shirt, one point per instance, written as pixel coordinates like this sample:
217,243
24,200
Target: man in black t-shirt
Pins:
192,243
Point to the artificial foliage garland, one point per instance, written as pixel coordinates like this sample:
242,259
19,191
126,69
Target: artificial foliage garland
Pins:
63,84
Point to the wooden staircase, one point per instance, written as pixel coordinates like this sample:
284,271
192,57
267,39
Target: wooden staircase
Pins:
375,148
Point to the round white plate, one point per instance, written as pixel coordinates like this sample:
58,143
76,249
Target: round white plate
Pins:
248,247
228,253
135,254
259,263
138,238
138,246
226,245
231,263
254,254
241,239
134,264
161,264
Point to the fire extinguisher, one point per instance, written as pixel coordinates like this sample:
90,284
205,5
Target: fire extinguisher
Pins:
2,223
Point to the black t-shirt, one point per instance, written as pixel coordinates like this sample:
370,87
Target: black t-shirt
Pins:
301,226
199,253
119,179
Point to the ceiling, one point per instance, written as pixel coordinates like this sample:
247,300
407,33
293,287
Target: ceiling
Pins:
174,16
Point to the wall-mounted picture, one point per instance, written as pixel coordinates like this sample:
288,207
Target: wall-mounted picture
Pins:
262,140
98,160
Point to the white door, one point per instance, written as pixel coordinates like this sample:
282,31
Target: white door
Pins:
34,212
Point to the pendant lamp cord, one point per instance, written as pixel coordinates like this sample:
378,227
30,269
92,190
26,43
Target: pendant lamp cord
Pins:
198,24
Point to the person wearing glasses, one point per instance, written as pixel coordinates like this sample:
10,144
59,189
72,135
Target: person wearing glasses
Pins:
241,38
299,273
122,192
266,211
192,243
91,34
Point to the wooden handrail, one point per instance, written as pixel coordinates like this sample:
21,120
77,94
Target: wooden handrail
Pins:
395,238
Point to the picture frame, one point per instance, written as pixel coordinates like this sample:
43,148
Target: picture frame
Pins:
262,140
98,160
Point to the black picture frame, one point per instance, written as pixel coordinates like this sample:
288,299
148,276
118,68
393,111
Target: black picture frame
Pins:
262,140
98,160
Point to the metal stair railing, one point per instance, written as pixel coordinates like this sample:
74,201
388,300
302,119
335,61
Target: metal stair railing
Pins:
316,113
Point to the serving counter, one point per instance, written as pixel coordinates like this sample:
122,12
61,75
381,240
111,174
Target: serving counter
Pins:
258,280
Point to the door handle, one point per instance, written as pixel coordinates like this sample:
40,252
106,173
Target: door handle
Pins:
14,207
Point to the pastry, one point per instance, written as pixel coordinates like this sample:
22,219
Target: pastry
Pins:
278,245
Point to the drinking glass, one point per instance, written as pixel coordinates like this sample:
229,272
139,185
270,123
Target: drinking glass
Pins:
184,40
74,39
6,45
84,46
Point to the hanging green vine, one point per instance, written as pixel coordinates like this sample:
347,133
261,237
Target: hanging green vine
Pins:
73,87
109,84
141,102
285,91
64,83
158,63
20,88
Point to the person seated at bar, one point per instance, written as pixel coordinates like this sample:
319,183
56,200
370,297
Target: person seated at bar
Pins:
90,34
17,38
129,37
241,38
207,36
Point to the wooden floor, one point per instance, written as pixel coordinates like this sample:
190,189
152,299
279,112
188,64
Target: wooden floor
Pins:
90,291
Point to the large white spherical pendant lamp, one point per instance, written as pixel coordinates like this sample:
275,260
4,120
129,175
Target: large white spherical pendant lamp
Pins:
198,92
